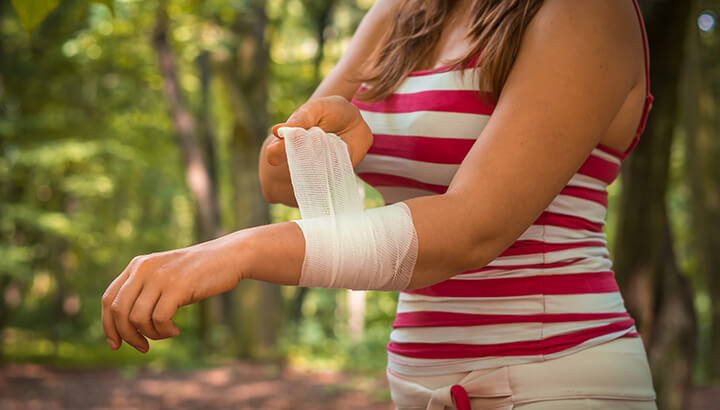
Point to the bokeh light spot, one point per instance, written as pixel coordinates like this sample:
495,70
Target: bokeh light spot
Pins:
706,21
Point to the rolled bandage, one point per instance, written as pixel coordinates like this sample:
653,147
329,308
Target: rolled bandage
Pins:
345,245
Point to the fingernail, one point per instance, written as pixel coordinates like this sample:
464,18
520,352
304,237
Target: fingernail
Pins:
176,332
111,343
143,349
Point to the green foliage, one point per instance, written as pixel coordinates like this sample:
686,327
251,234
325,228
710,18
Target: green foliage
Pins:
27,346
107,3
91,174
32,12
14,261
323,341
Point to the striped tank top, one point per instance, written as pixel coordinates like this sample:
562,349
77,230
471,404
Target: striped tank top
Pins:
551,293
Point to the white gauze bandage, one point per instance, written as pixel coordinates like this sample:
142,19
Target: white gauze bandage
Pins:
345,245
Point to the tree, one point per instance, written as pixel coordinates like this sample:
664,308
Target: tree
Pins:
258,306
197,163
702,171
656,293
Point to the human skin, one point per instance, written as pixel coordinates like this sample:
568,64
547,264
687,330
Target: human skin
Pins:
575,83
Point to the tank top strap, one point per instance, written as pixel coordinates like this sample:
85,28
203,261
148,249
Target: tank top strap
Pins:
649,98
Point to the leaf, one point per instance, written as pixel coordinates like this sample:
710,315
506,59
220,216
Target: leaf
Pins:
108,3
33,12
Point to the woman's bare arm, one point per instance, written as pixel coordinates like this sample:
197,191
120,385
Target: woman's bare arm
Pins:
343,80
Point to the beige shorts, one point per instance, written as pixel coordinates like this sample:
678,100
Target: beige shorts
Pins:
612,375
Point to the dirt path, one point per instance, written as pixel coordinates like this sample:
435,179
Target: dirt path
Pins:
237,386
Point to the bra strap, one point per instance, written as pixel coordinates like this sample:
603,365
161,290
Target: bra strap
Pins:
649,98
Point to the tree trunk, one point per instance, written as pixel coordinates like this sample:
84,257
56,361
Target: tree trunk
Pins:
320,11
226,308
702,148
673,338
197,169
356,308
258,305
708,144
655,292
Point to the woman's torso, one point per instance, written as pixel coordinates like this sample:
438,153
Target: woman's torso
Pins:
549,294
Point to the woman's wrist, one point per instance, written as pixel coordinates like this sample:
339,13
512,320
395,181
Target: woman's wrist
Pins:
233,250
271,253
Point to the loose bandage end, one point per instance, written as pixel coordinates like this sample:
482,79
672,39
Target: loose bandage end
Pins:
345,245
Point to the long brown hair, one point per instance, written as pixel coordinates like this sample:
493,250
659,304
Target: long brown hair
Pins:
495,35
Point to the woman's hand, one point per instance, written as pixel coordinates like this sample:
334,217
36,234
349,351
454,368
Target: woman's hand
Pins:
142,300
333,114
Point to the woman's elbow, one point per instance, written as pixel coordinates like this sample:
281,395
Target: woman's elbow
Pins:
488,244
479,247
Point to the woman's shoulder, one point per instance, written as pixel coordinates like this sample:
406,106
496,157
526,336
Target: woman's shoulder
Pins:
591,21
601,31
386,7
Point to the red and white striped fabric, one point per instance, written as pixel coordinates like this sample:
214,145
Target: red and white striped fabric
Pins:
551,293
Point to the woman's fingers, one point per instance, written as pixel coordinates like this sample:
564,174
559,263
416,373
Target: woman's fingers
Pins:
142,300
162,314
325,112
142,310
307,116
111,333
302,118
120,309
333,114
275,152
276,127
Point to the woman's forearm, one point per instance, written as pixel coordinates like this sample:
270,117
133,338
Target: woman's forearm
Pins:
271,253
143,299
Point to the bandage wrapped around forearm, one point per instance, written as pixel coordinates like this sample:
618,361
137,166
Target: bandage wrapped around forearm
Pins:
345,245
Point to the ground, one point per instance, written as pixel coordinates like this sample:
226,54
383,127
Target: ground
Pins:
237,386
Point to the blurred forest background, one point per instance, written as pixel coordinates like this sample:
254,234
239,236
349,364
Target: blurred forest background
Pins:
114,116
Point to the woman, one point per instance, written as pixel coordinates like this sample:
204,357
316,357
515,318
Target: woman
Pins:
511,302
